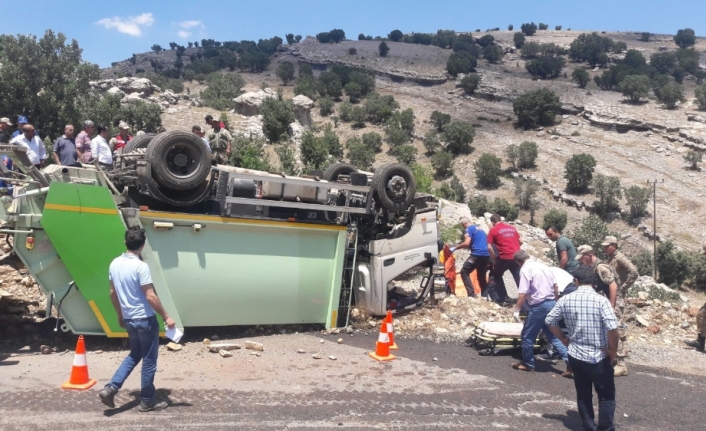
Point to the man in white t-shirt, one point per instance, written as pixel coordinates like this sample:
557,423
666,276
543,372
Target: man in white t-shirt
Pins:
100,149
36,152
135,302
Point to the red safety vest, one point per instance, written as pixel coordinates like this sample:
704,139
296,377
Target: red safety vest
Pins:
119,142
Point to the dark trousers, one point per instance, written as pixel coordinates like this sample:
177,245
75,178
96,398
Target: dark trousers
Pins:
480,264
499,292
599,376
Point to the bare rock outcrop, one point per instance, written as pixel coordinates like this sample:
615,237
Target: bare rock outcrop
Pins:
302,109
248,104
127,85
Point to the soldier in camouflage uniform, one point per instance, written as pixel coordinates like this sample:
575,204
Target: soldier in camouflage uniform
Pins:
700,343
220,140
607,280
625,269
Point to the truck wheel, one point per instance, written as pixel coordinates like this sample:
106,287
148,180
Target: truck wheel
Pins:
332,172
394,187
138,142
180,160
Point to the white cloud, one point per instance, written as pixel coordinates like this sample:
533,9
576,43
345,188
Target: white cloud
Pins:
184,34
132,25
191,24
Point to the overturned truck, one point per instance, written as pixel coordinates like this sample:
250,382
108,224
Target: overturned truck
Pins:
225,245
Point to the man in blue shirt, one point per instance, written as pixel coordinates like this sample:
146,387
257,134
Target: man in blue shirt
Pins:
477,241
135,301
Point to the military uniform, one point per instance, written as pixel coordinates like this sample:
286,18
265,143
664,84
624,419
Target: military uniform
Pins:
627,273
219,144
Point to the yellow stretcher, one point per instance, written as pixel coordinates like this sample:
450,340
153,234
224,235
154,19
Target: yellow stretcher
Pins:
490,337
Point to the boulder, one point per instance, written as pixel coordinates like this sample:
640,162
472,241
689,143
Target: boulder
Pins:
169,96
116,91
133,97
302,109
248,104
126,84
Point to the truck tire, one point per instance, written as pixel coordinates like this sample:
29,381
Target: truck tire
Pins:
394,187
141,141
179,160
332,172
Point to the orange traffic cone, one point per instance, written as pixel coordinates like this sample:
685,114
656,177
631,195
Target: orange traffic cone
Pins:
382,347
390,331
79,372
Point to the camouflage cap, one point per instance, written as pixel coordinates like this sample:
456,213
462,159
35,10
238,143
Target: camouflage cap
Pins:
583,250
609,240
123,125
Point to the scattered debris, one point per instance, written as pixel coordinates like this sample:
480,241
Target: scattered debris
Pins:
174,347
251,345
301,351
215,348
333,358
435,359
206,341
45,350
340,341
321,341
316,356
225,353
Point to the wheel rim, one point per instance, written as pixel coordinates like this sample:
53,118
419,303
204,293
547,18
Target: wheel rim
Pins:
396,188
181,160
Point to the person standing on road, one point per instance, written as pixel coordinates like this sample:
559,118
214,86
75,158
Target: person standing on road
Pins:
65,149
135,302
565,284
36,152
83,142
508,242
100,148
565,250
477,241
592,347
539,290
220,140
627,273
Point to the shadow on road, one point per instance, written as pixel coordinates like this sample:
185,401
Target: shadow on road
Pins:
571,420
161,394
4,361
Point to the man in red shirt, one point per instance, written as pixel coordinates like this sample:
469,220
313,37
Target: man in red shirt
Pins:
506,240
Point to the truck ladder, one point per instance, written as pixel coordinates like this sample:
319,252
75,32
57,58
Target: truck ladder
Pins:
349,260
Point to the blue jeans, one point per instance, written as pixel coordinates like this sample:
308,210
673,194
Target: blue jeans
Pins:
599,376
535,323
143,335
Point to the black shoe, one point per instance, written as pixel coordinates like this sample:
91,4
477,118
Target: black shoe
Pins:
698,344
152,406
107,395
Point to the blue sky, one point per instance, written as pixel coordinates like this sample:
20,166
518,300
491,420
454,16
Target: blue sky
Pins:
111,31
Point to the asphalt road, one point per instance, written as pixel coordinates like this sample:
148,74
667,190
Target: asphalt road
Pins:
460,390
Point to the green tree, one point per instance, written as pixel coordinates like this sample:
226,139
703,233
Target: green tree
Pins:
458,189
486,40
526,192
536,108
531,50
45,79
277,115
329,84
249,153
446,192
298,38
700,96
314,151
396,137
354,92
634,59
555,217
545,66
285,71
156,48
519,39
488,171
326,106
222,89
673,266
406,154
510,27
458,136
608,191
306,85
591,48
543,26
358,117
440,119
663,62
670,94
512,154
503,208
461,62
493,53
344,111
685,38
431,142
383,49
380,108
591,232
635,87
643,262
395,35
698,272
359,154
373,141
470,83
479,205
645,36
423,178
693,158
527,155
443,164
287,161
290,38
637,198
529,29
579,172
557,28
305,69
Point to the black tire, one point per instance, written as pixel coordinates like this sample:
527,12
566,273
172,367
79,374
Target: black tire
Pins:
394,187
141,141
332,172
180,160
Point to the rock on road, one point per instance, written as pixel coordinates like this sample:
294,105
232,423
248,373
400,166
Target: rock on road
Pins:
284,389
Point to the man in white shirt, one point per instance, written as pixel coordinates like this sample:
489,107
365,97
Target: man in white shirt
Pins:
36,152
100,149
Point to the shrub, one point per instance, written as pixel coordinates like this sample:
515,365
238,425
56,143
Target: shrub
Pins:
458,189
526,155
352,51
373,141
688,59
469,83
543,26
380,108
406,154
700,96
637,198
353,91
403,120
493,53
326,106
249,153
525,192
670,94
222,89
488,171
486,40
511,154
685,38
431,142
396,137
383,49
314,151
635,87
443,164
395,35
579,172
607,190
287,161
557,28
643,262
555,217
519,39
344,111
510,27
504,208
277,115
446,192
693,158
673,266
545,66
461,62
698,272
458,136
332,142
591,48
535,108
530,50
645,36
329,84
479,205
423,177
359,154
619,47
358,116
305,69
592,231
285,71
439,120
634,59
529,29
306,86
663,62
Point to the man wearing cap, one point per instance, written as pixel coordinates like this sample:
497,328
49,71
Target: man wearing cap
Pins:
220,140
118,142
21,122
36,152
210,120
625,269
5,135
65,149
83,141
